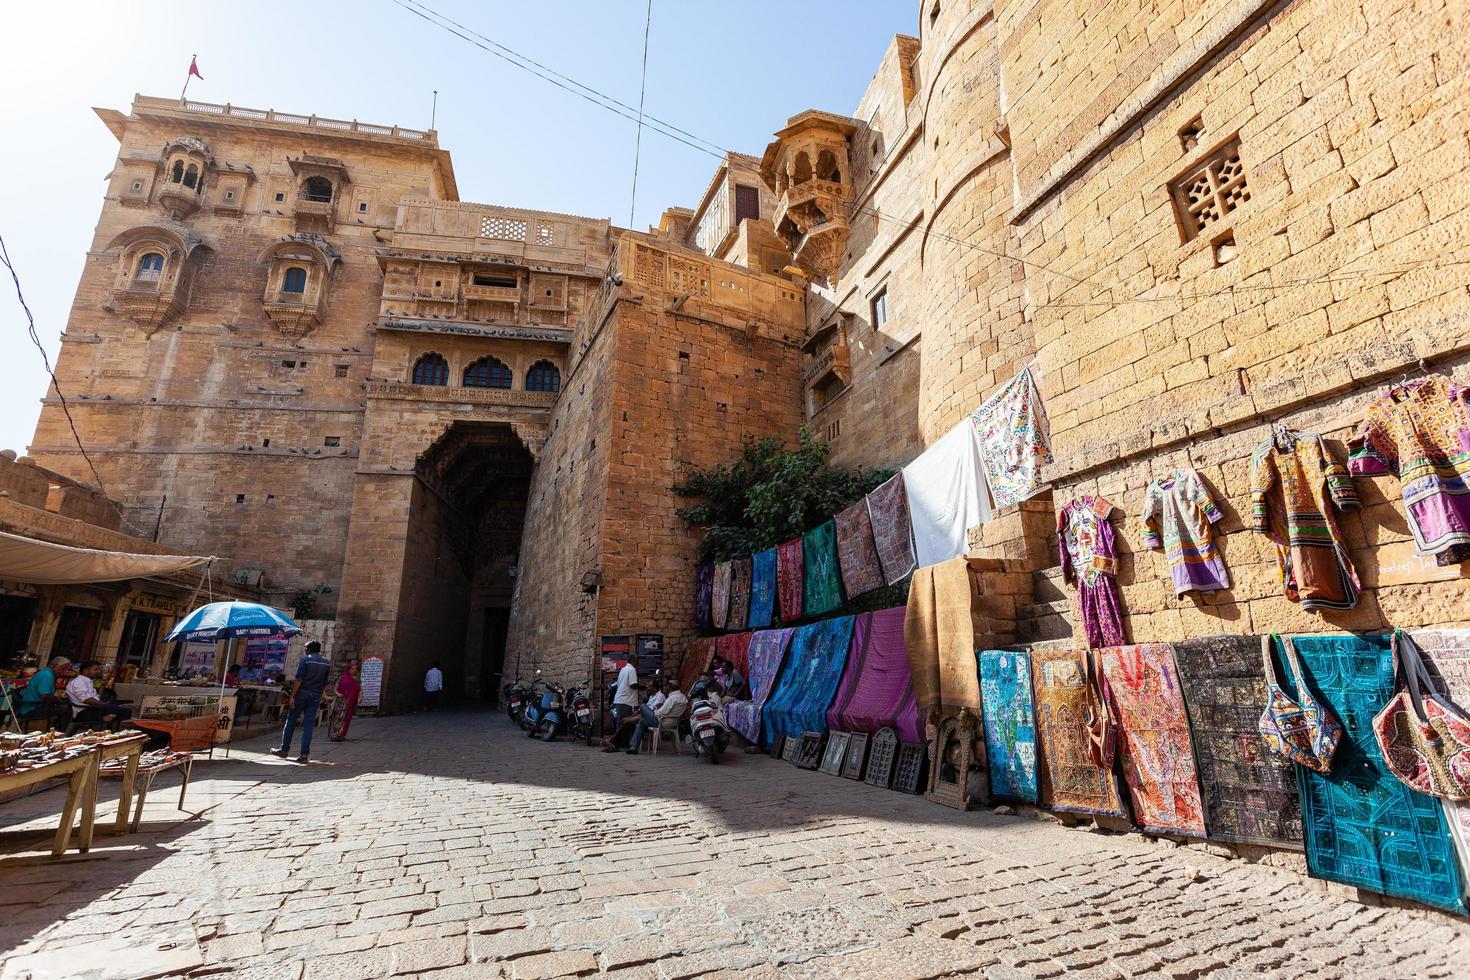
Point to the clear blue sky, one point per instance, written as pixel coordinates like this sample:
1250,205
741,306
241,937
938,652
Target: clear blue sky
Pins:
728,72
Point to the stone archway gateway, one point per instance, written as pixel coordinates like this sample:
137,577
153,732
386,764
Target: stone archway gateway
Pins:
432,554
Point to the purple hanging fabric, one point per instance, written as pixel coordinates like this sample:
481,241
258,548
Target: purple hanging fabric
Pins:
704,587
877,690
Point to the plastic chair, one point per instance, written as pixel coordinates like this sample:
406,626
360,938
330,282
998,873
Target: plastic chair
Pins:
669,727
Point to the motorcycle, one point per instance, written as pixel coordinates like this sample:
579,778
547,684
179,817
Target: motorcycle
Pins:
516,695
580,716
544,718
707,725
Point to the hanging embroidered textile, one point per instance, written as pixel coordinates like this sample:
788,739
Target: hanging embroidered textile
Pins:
1010,723
720,595
739,594
762,589
893,535
697,659
1090,562
767,649
807,684
1067,779
857,556
1296,489
735,647
1015,439
1448,653
946,494
1178,512
1158,763
939,634
822,585
877,690
1363,827
704,587
1249,794
1420,432
789,577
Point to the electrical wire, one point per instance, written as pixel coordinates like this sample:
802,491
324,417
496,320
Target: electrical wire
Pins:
642,91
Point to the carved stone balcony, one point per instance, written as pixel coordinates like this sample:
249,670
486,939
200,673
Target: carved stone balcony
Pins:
179,199
314,215
147,301
296,314
492,294
807,168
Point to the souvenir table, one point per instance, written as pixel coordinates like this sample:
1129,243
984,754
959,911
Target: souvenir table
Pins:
28,761
148,767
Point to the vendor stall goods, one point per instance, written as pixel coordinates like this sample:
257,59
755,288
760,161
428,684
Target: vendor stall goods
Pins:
940,637
1178,514
767,650
697,659
789,584
1420,432
720,595
704,587
888,513
822,584
805,687
1014,439
1297,487
1364,827
1010,723
946,494
1154,738
1249,794
762,589
1067,778
1090,562
735,648
1448,652
857,555
877,690
739,611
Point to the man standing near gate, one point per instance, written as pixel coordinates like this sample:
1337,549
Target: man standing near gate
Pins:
306,698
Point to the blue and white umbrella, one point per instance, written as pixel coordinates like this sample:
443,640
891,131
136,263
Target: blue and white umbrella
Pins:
227,620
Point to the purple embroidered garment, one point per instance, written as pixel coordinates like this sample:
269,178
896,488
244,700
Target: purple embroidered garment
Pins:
767,649
1090,561
877,690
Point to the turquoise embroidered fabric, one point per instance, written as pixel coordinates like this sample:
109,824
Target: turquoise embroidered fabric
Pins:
1010,723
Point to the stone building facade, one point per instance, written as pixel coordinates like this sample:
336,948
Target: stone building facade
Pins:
463,420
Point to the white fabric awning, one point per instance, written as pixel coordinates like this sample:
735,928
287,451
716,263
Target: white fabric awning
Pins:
36,562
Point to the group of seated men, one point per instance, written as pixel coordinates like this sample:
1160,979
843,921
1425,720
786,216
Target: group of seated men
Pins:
721,683
78,699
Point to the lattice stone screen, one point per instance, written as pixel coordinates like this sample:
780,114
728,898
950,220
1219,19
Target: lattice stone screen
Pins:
1212,191
507,229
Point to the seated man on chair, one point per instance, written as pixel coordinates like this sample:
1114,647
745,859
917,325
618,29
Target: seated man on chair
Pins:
40,701
87,705
650,719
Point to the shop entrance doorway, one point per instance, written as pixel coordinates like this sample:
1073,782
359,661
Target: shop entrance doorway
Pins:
77,634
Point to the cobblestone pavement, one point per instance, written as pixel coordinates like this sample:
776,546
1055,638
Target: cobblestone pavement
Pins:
451,846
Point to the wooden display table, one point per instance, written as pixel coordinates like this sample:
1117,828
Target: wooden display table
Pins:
130,749
81,792
148,772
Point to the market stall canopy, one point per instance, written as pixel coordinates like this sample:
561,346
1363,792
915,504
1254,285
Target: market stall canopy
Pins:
227,620
38,562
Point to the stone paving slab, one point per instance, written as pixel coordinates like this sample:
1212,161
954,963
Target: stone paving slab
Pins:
451,847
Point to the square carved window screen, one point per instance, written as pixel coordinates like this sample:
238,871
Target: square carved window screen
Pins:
543,234
1211,191
506,229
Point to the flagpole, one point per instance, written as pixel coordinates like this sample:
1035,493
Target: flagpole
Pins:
188,75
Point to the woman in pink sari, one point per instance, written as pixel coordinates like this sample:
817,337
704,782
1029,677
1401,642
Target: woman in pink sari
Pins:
349,689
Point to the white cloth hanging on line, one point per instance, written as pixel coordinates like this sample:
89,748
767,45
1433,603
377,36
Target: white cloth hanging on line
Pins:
947,494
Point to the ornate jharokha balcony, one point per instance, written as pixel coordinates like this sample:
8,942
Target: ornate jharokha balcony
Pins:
402,391
492,294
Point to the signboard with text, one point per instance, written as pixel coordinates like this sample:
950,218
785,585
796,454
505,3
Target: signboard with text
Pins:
371,679
650,650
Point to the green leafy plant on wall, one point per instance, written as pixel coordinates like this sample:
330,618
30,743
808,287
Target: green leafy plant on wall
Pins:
303,603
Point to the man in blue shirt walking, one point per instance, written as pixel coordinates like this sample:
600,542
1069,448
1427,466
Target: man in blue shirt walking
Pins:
306,698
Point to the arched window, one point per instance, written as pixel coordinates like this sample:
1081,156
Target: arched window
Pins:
318,189
177,176
431,369
827,167
543,376
150,267
487,372
294,281
191,177
803,169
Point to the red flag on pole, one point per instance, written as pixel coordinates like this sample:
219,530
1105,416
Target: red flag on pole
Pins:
194,68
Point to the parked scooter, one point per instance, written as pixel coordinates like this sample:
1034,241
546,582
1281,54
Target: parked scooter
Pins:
707,724
516,697
544,717
579,717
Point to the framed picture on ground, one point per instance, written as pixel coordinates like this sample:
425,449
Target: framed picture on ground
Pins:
835,754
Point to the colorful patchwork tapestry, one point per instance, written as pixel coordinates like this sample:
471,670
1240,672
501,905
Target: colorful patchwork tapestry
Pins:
789,578
857,556
1363,827
940,636
1010,723
1153,730
704,587
697,658
767,649
735,648
1249,793
893,536
808,682
739,594
720,596
822,586
762,589
1448,655
877,690
1066,777
1015,439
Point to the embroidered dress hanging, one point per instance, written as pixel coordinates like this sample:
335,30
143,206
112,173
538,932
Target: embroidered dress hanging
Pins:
697,658
822,585
857,556
1296,490
893,535
1153,730
946,494
1249,794
762,589
939,634
789,579
1363,827
739,594
877,690
704,587
1178,512
1066,777
1420,432
1448,653
1090,562
767,649
1015,439
808,682
1010,723
720,596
